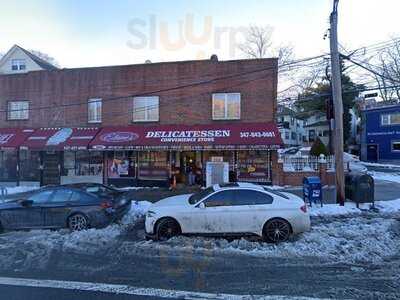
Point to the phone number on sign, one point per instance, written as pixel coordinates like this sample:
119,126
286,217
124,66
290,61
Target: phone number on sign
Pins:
257,134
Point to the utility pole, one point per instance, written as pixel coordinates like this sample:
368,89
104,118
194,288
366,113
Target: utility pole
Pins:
337,103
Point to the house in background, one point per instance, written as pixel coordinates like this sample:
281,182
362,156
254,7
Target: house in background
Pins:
380,133
18,60
290,127
316,125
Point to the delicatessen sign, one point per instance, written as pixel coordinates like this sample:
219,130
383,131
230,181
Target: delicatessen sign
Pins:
196,136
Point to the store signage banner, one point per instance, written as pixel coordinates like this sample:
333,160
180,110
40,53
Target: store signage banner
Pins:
12,138
248,135
60,138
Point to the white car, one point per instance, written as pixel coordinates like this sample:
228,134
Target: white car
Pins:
234,209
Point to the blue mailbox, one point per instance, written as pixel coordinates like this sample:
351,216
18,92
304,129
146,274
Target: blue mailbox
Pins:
312,190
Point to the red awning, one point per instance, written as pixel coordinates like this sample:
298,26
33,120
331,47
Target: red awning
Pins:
12,138
185,137
60,139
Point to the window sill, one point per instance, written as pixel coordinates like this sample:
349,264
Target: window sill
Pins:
145,121
226,119
94,122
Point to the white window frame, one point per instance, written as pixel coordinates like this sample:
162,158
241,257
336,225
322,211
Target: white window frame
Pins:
147,110
18,63
98,116
394,142
389,119
226,117
20,112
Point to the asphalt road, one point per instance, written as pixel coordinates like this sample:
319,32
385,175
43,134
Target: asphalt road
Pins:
366,267
8,292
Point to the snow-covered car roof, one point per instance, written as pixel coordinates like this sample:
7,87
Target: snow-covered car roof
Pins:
223,186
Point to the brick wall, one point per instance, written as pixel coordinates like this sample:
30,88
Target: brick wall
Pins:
191,105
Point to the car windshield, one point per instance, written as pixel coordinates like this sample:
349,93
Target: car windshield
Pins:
276,193
200,195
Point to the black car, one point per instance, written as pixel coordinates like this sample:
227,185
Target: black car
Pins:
62,207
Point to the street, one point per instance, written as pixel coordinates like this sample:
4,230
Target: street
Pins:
342,257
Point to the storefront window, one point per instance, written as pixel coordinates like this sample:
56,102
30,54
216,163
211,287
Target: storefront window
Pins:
8,165
69,163
121,164
29,165
253,166
96,163
83,163
153,165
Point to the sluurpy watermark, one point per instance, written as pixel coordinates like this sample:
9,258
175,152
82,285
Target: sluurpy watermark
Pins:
152,34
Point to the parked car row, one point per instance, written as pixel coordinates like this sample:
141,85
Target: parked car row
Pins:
229,210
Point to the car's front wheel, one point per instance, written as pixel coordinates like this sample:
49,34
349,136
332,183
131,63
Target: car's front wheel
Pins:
167,228
277,231
78,222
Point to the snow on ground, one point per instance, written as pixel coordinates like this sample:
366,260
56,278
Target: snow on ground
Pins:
135,188
349,240
393,177
389,166
350,208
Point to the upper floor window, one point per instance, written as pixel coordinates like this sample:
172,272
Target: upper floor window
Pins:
146,109
94,110
18,110
226,106
390,119
18,64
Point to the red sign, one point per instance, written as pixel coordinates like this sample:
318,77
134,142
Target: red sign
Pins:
60,138
193,137
11,138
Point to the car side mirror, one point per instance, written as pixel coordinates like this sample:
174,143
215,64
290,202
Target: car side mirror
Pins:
201,205
26,202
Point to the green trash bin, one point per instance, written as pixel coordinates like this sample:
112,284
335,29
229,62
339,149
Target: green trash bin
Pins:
360,188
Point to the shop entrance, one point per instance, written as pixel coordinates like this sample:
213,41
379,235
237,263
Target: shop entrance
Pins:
189,167
372,152
50,174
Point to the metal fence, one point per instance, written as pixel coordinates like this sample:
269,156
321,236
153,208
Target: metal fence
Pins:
295,163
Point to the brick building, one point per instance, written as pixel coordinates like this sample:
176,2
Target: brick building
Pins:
137,124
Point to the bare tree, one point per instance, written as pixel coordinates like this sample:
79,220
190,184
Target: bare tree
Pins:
383,68
258,44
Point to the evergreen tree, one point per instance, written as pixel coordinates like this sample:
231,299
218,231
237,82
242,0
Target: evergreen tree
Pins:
318,148
315,99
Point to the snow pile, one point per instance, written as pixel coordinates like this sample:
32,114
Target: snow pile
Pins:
137,211
135,188
91,240
350,240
